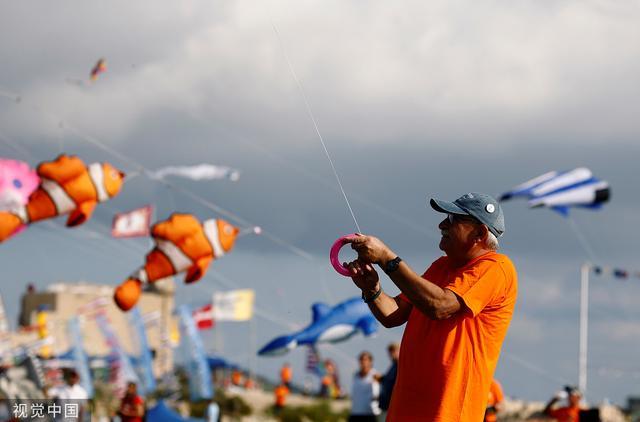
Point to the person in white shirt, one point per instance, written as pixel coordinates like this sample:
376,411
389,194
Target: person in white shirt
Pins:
213,411
71,393
365,391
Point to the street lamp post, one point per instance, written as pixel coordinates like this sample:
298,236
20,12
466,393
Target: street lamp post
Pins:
584,327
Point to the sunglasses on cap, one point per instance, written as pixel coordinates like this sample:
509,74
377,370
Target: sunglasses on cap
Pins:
462,219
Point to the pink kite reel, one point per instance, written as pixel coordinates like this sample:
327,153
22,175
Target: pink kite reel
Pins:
335,250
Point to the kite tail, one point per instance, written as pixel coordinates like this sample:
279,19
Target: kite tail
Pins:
279,346
127,294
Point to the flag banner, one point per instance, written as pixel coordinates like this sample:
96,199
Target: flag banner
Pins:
203,317
42,321
313,365
80,359
93,306
151,318
124,372
35,372
145,360
5,336
133,223
4,322
234,305
200,385
615,272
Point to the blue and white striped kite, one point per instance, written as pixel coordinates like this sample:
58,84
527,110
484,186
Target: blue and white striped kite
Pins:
562,190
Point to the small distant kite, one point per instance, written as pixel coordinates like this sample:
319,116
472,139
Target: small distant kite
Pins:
182,244
197,172
100,67
17,183
67,186
562,190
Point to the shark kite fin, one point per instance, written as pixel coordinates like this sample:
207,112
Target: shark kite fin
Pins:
320,310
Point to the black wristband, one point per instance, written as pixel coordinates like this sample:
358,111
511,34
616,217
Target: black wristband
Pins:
392,265
372,298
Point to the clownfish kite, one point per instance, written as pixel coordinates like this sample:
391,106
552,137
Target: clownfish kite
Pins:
182,243
67,186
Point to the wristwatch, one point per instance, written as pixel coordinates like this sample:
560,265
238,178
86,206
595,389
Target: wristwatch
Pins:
392,265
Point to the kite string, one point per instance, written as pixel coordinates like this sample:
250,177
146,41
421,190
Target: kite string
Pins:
315,124
231,284
535,368
281,159
583,240
141,169
15,146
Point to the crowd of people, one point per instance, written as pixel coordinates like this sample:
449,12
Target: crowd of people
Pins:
131,406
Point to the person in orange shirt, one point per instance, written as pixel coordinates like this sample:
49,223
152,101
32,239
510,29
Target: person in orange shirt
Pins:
249,384
286,374
330,381
570,413
236,378
494,401
457,313
327,389
281,392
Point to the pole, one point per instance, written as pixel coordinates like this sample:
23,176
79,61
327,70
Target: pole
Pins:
252,348
217,338
584,327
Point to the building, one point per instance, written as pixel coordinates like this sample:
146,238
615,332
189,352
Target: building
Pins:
63,301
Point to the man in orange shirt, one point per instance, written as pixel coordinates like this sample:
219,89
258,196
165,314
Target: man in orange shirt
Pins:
281,392
286,374
457,312
570,413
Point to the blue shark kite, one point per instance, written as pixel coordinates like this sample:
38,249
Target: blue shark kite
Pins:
330,325
563,190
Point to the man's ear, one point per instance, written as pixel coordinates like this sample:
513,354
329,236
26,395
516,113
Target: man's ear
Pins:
482,233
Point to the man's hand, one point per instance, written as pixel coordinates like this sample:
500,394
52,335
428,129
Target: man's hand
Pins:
364,276
371,249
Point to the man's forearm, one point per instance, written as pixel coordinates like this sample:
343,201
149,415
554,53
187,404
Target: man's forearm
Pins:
429,298
549,406
384,308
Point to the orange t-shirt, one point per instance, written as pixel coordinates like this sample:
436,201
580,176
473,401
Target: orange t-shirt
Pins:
566,414
446,366
281,393
236,377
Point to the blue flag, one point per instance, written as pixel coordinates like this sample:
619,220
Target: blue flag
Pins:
200,386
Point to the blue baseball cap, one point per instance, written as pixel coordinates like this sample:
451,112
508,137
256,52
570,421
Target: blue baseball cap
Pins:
480,206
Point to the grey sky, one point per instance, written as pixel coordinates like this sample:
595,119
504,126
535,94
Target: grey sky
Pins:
414,100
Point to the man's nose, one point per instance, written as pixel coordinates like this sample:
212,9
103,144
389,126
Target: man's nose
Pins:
444,224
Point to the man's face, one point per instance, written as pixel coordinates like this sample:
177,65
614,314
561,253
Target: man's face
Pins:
328,366
131,389
458,232
394,353
365,363
574,399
